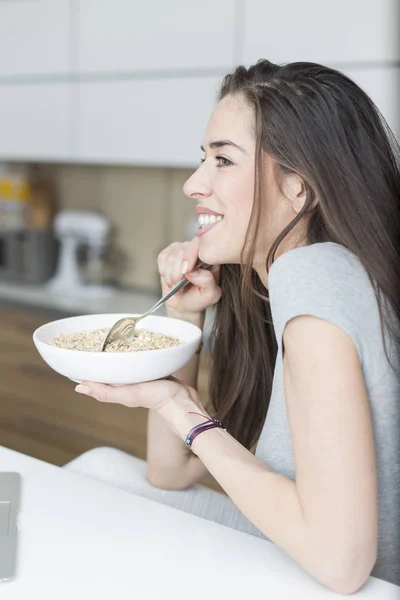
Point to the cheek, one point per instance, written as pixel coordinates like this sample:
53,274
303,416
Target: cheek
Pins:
243,205
237,220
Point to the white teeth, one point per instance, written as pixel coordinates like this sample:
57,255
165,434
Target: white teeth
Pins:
205,219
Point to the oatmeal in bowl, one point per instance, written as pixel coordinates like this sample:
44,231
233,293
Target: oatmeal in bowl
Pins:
161,346
92,341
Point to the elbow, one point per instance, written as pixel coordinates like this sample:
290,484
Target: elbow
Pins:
164,481
346,573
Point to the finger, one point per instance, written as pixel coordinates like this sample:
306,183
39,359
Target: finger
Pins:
174,260
162,268
205,282
151,394
162,260
176,267
124,394
164,256
202,278
164,286
169,268
190,256
161,263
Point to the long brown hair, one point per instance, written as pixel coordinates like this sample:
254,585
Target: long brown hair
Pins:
316,122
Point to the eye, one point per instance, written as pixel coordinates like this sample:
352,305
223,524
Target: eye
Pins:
222,161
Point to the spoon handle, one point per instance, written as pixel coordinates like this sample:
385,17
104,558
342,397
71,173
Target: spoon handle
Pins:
178,286
127,325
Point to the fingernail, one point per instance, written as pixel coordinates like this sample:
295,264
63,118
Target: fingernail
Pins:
84,389
185,266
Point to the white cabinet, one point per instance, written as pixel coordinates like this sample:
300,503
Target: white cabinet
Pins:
149,71
35,122
121,35
34,37
159,122
325,32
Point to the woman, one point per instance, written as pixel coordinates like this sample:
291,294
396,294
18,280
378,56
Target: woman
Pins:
298,198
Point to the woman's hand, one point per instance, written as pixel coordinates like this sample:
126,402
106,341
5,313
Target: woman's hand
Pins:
153,394
190,303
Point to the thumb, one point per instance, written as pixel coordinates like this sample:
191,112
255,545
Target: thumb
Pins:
205,281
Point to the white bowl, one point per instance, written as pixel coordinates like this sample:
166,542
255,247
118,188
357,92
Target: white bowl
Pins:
117,368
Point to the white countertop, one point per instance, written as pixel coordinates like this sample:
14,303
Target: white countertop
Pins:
119,301
81,538
42,296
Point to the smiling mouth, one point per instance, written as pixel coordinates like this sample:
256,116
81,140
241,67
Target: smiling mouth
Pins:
205,220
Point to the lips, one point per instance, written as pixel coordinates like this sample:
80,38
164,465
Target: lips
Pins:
207,222
202,210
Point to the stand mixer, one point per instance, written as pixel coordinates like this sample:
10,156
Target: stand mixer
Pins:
74,229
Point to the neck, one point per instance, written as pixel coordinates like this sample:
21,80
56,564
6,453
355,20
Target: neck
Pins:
259,265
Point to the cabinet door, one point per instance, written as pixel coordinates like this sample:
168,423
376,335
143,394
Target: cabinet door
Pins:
34,122
34,37
120,35
326,32
158,122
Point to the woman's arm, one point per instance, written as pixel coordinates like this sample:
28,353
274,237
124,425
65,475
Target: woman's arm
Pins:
327,518
170,464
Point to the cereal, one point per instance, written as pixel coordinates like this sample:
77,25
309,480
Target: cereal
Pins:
92,341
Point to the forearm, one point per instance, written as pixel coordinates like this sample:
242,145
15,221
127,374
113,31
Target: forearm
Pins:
255,488
167,456
168,459
188,374
268,499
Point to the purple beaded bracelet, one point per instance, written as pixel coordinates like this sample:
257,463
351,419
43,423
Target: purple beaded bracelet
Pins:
194,432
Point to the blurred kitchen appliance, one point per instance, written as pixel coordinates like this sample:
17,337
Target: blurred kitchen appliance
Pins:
14,196
11,255
15,193
28,250
40,247
76,229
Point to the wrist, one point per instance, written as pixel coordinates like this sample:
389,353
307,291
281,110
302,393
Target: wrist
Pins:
194,318
176,412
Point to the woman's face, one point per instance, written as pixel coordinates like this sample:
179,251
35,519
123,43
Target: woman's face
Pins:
223,187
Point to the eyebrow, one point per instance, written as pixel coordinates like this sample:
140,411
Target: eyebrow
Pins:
221,143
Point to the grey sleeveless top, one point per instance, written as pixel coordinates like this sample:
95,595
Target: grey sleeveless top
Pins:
328,281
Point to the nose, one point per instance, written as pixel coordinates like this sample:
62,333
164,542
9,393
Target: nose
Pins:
198,185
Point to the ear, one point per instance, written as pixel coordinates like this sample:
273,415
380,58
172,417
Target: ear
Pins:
294,190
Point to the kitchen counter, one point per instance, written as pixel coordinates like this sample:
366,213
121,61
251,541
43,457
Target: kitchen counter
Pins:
119,301
40,295
81,538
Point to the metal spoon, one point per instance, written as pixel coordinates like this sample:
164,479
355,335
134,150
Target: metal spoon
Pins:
125,327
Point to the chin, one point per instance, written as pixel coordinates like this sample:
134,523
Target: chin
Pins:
211,256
